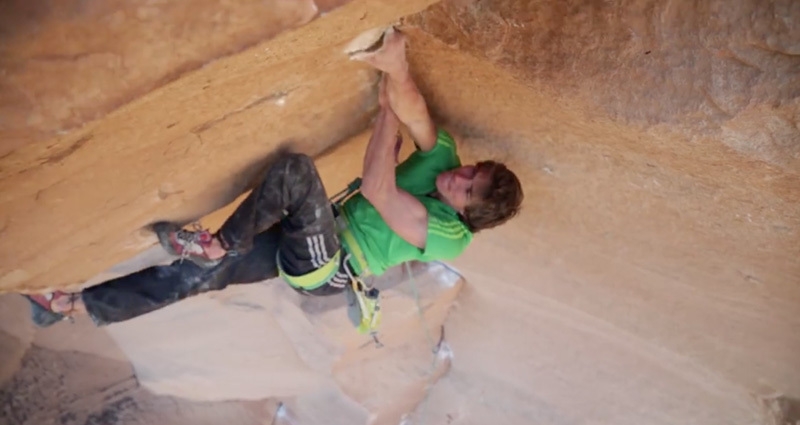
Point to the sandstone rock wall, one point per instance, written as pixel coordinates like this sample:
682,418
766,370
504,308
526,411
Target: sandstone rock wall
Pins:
179,151
716,69
651,278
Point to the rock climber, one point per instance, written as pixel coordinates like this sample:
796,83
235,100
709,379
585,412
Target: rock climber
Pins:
426,208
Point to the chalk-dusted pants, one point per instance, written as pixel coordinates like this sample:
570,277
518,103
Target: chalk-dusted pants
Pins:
288,212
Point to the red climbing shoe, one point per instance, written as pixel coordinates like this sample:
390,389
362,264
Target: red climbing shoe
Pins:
191,245
49,309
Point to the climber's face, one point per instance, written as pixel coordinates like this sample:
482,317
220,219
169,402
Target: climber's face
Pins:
462,186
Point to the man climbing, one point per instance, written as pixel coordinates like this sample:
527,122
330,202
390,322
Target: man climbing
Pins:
427,208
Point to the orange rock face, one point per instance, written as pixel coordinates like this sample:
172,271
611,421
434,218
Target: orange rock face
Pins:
72,62
651,278
711,70
180,151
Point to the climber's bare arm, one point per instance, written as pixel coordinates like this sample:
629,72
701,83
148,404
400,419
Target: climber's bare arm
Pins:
404,96
402,212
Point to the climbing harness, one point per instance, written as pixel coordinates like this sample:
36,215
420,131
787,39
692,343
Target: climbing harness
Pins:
365,299
339,199
367,302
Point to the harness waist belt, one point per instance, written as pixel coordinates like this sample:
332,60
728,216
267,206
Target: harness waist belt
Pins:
314,279
356,258
321,276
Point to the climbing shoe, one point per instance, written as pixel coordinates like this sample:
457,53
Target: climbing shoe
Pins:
187,244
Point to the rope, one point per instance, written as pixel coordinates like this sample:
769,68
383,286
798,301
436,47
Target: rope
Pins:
434,346
338,200
277,413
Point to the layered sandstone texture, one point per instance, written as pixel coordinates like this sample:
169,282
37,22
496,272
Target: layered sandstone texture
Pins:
652,277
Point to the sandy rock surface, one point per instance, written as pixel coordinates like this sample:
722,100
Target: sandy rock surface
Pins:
653,276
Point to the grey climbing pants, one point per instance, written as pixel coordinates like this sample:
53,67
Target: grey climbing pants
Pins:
288,212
